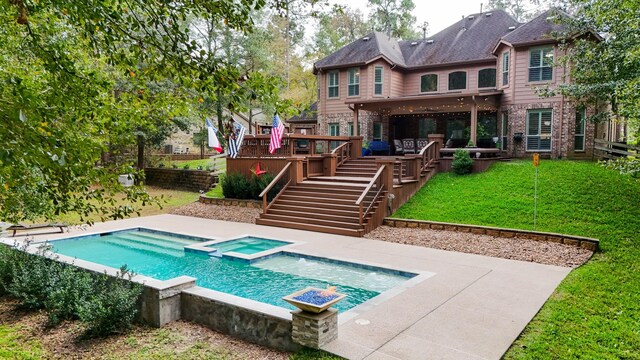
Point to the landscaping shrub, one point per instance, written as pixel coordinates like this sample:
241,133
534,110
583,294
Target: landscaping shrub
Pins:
68,289
112,305
236,186
30,280
462,163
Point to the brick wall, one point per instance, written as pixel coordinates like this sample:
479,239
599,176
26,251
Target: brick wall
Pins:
193,180
365,119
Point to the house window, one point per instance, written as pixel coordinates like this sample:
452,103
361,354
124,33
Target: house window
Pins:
505,128
350,129
505,68
426,126
377,81
429,83
377,131
541,64
581,115
334,129
332,86
487,78
353,82
539,130
458,80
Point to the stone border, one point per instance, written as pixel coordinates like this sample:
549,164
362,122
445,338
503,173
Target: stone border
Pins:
572,240
254,204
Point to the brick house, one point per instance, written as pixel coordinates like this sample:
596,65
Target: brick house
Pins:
474,81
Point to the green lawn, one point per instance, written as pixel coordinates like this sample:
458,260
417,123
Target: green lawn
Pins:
595,312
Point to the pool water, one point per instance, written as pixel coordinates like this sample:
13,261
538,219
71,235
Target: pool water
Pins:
267,280
248,245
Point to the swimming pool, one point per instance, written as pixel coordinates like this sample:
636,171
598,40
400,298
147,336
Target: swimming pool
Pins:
265,279
247,245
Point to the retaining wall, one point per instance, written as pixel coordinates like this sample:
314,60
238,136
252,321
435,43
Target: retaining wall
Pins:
573,240
192,180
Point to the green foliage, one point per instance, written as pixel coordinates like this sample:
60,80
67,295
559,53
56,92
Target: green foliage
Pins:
462,163
105,304
112,305
625,166
186,166
237,186
394,17
15,346
593,313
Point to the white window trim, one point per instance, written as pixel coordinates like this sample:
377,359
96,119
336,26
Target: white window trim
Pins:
540,48
381,83
505,68
337,85
349,83
430,91
526,135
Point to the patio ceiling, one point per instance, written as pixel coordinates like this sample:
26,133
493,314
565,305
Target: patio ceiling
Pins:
431,104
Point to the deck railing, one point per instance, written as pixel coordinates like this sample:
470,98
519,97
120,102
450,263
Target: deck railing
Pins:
370,194
428,155
257,146
282,179
343,153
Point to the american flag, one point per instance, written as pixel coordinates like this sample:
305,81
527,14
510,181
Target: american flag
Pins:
277,130
236,140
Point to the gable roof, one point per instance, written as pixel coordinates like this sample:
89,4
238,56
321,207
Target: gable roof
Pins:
374,46
470,39
539,30
309,115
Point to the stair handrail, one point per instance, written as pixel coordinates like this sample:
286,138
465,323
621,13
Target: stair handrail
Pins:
366,191
428,155
273,183
343,151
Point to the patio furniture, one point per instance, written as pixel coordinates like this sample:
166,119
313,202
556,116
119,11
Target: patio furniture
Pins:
23,227
409,146
421,143
379,146
397,144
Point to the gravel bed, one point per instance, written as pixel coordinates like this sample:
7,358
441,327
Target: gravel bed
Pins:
219,212
509,248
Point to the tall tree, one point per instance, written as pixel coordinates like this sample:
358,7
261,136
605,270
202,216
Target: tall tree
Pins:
518,9
336,29
394,17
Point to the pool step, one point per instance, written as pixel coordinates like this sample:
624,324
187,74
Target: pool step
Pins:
162,237
132,237
152,249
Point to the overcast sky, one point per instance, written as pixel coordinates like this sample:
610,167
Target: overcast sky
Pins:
439,14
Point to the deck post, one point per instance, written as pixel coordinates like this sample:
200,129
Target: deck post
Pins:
329,164
439,140
387,174
356,147
296,174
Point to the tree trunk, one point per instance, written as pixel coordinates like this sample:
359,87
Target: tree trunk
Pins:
219,110
140,152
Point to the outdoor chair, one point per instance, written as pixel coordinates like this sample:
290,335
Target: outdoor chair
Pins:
421,143
397,144
23,227
409,146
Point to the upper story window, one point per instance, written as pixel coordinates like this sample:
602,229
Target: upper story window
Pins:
505,68
333,89
487,78
458,80
429,83
353,83
541,64
377,80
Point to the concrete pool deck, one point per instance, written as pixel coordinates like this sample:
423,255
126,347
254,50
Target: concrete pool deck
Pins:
463,306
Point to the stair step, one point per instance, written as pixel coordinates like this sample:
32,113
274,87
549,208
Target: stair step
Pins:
310,227
312,200
353,218
328,183
314,210
345,179
328,205
312,221
327,189
354,174
314,194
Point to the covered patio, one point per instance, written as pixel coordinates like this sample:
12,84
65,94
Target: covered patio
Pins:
461,118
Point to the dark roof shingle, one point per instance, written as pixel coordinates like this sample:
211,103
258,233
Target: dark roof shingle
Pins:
541,29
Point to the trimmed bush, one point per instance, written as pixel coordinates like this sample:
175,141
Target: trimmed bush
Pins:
462,163
237,186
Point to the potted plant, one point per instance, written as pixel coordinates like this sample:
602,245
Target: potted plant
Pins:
365,148
314,300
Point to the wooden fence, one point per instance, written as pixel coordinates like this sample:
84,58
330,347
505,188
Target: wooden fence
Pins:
611,150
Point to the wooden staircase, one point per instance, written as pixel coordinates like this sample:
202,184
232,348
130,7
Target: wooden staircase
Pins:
324,206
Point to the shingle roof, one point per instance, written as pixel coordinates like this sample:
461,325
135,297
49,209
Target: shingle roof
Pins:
470,39
363,50
540,29
309,115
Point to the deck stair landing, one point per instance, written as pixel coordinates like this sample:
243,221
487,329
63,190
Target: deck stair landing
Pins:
324,206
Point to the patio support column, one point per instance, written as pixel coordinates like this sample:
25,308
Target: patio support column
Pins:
474,121
355,120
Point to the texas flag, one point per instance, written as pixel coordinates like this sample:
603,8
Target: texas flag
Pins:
213,137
